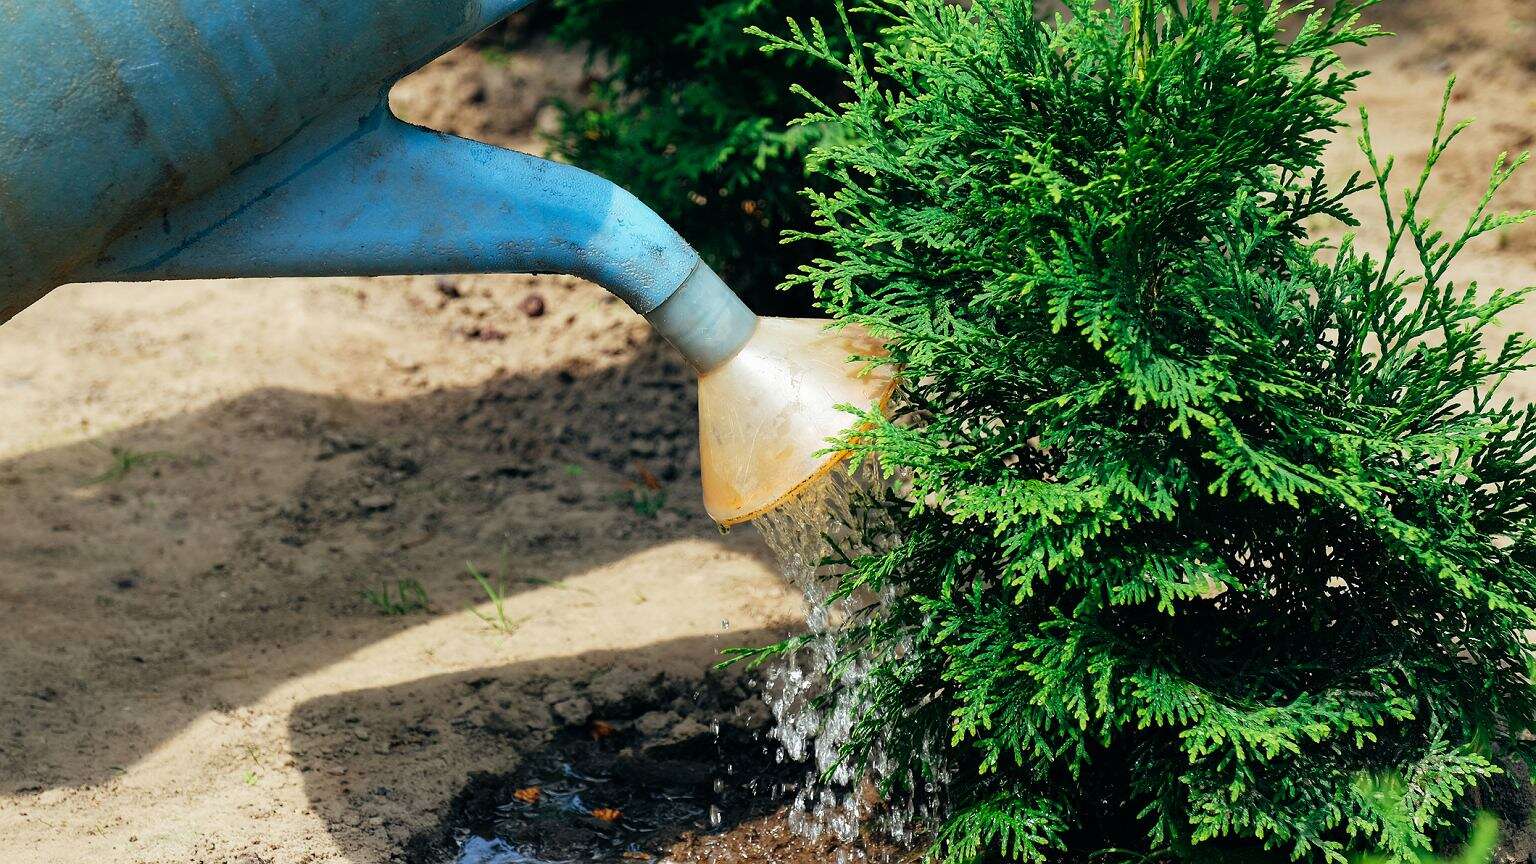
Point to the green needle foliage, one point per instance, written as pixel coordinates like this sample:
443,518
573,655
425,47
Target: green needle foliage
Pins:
1214,540
694,119
1478,850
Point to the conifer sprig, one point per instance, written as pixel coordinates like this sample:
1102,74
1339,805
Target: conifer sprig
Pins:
1216,537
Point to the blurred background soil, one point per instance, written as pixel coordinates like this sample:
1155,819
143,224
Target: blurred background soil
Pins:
199,481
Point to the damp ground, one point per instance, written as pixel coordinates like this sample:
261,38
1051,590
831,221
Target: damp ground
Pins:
630,788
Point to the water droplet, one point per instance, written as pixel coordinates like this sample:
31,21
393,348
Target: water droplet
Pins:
715,816
813,710
725,624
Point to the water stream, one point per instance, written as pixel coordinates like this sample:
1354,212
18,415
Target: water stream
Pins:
815,701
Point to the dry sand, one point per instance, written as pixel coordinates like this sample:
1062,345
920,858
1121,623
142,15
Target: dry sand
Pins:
190,673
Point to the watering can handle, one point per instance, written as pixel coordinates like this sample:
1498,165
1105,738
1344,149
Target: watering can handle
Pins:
360,192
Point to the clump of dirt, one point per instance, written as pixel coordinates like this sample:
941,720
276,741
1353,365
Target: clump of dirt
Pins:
657,785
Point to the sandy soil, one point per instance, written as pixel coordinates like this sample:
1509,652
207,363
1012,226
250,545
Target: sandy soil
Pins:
198,481
191,672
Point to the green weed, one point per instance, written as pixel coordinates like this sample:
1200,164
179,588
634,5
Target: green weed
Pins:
409,596
646,497
497,593
124,461
496,55
645,502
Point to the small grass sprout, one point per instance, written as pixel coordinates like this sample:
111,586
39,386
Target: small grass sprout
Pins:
497,593
408,596
124,461
646,497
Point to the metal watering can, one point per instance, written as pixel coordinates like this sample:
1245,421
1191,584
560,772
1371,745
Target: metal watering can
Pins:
188,139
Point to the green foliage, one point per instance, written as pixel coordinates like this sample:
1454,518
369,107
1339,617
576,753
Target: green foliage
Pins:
496,592
408,596
1206,526
1479,848
124,461
644,501
694,119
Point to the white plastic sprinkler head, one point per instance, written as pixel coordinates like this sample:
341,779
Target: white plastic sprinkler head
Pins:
768,394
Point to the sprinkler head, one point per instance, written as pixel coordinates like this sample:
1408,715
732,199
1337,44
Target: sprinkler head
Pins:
768,394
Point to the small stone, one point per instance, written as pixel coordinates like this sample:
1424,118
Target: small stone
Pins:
532,306
687,730
558,691
654,723
335,444
376,503
483,333
403,362
547,121
607,693
449,289
573,712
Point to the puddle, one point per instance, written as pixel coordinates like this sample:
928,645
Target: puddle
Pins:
610,800
720,797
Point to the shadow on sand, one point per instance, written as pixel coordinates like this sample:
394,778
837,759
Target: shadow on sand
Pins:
193,564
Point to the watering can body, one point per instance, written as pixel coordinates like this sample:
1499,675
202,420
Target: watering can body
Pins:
163,139
170,139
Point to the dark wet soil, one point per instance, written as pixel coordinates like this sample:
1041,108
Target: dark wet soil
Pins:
608,793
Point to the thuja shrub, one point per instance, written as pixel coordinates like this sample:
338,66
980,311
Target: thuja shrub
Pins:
1211,540
694,119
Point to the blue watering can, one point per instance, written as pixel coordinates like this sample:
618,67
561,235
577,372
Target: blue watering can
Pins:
183,139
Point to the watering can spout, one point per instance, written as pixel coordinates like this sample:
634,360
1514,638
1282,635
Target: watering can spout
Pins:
363,193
